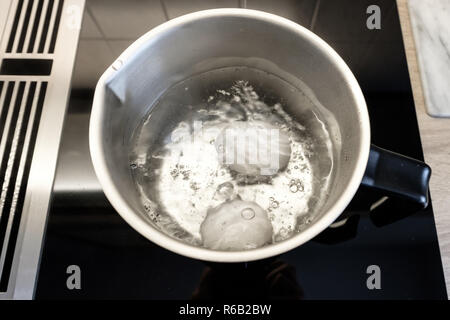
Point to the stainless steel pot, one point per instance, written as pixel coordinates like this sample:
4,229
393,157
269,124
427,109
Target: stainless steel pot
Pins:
206,40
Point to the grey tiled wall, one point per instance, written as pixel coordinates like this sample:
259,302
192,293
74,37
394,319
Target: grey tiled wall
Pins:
110,26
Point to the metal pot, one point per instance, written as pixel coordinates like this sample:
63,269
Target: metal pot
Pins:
210,39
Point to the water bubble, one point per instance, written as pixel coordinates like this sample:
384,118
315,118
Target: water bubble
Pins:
186,174
194,186
225,190
248,213
282,234
296,185
274,204
293,188
174,173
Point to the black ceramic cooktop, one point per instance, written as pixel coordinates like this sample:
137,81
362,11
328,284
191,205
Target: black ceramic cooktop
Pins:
390,252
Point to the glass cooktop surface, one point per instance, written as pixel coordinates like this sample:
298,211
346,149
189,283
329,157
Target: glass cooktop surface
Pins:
385,248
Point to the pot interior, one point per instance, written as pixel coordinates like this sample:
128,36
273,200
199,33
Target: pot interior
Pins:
185,48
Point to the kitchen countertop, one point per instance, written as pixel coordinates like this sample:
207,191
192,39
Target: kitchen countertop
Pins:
435,134
430,24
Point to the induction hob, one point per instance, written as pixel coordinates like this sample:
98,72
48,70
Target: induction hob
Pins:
379,237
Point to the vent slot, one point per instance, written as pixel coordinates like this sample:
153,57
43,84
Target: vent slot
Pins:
35,26
46,26
4,109
25,26
12,36
25,109
55,27
26,67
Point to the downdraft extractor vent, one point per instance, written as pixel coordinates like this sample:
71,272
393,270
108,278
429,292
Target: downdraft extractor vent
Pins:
21,106
37,52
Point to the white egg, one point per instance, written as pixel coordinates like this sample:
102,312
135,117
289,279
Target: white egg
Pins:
253,148
236,225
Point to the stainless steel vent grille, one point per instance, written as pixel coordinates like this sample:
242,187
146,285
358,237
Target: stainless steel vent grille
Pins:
35,26
16,149
37,52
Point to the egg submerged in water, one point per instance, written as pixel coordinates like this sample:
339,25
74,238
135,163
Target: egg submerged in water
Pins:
236,225
253,148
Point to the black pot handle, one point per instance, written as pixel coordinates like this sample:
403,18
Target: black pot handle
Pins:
398,175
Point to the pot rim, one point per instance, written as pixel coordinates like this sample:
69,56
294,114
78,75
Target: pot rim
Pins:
177,246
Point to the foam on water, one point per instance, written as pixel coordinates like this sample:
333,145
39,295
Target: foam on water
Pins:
181,178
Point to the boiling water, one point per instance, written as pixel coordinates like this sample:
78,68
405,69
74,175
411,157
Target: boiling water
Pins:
181,178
